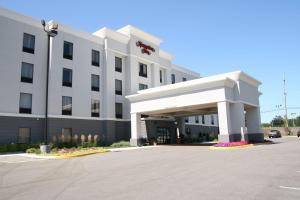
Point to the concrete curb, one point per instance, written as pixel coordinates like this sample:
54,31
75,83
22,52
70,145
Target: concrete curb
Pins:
131,148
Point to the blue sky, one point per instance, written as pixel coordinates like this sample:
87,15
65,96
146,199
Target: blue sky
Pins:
261,38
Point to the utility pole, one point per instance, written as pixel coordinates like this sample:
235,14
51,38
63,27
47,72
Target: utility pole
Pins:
285,104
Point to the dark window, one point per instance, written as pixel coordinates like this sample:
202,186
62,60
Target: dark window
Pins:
25,104
28,43
183,79
143,86
119,110
95,58
118,85
212,120
186,120
27,72
197,119
160,76
143,70
66,105
173,78
68,50
118,64
67,77
95,108
24,135
95,80
203,119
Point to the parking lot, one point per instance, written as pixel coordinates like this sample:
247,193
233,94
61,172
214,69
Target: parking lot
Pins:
166,172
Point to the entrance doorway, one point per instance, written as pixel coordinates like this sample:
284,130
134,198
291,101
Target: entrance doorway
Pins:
163,135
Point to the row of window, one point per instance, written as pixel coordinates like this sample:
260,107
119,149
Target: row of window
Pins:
212,119
29,47
25,106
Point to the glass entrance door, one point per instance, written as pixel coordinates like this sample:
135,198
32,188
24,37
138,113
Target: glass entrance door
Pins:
163,135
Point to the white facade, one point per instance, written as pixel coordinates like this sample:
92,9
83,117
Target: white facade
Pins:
233,96
121,43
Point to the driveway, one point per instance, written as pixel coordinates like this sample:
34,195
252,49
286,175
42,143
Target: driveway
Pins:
166,172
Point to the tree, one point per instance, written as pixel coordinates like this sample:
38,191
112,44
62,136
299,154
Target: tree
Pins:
277,121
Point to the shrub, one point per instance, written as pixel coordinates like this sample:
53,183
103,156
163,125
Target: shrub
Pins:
89,143
3,148
33,150
120,144
12,147
22,147
95,142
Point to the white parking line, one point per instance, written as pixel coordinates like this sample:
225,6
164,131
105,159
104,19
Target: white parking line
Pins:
298,171
289,188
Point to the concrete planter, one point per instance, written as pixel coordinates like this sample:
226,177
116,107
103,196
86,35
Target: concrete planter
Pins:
45,148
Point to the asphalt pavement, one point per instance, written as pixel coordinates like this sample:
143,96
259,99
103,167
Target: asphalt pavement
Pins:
166,172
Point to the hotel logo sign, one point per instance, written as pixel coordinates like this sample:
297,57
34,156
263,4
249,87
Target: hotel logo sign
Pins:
147,49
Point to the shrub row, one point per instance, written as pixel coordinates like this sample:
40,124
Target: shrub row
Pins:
16,147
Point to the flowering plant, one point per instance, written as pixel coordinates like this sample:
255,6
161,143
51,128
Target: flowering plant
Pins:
231,144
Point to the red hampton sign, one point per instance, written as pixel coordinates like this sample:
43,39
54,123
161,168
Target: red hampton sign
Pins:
145,48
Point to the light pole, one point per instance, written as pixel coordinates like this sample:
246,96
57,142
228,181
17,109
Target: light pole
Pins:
51,29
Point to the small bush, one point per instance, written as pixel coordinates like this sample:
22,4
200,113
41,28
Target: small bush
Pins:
120,144
33,150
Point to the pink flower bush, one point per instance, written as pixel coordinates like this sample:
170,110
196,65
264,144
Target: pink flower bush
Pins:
231,144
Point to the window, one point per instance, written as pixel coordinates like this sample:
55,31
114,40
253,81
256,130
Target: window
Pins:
186,120
143,86
119,110
118,64
95,82
183,79
95,108
25,103
197,119
68,50
95,58
67,77
143,70
160,76
66,134
118,86
27,72
28,43
66,105
173,78
212,120
24,135
203,119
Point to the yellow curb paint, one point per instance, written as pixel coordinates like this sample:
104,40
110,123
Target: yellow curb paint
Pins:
232,148
78,154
